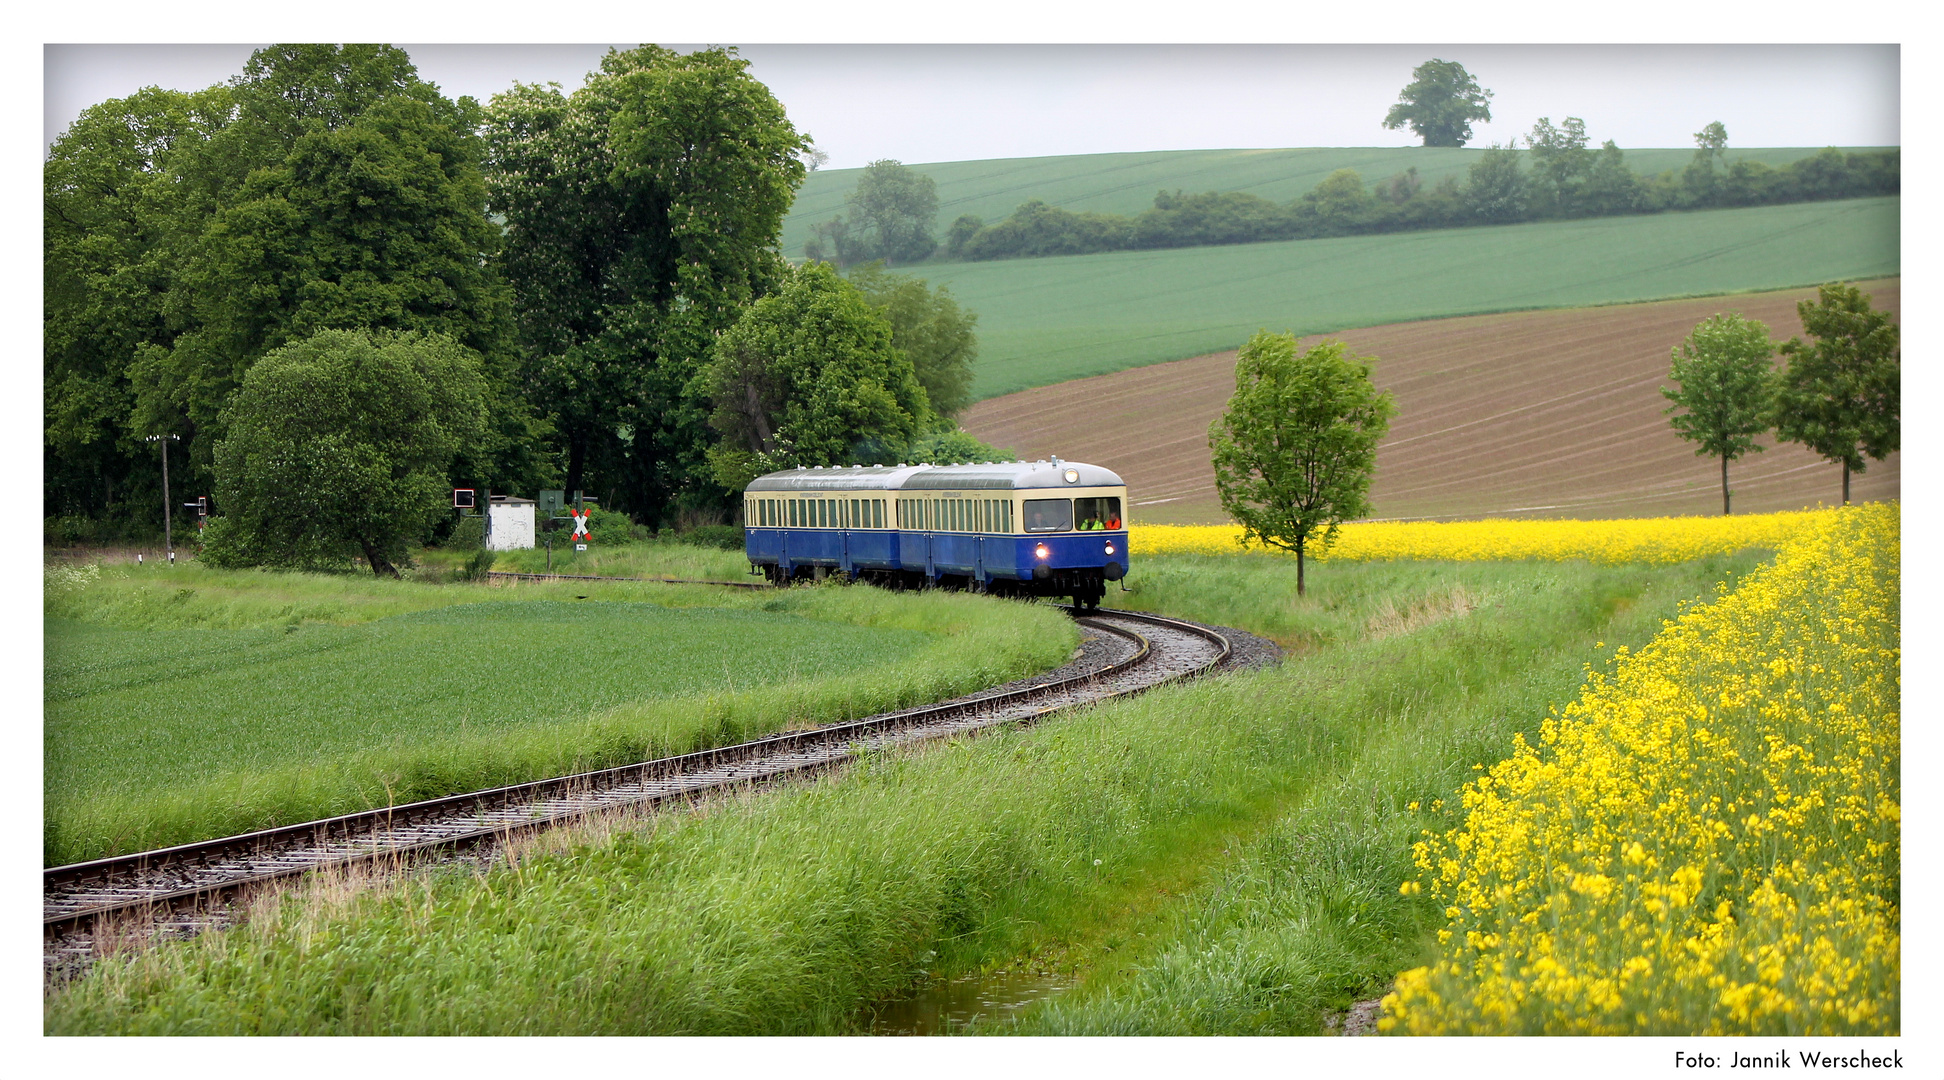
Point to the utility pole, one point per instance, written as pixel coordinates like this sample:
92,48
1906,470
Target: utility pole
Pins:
168,511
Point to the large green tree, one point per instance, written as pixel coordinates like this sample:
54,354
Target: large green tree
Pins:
929,327
892,212
894,207
1561,165
323,187
115,230
1724,389
342,443
1496,190
1296,449
809,376
643,214
1841,392
1701,184
1440,104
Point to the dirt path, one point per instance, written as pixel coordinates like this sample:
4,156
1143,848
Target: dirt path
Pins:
1533,414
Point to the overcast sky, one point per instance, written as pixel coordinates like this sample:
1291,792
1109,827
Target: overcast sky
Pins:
929,103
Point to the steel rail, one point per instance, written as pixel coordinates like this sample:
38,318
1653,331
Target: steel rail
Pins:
128,884
516,575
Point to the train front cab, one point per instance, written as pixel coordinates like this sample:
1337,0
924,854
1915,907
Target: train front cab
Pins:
1073,545
1021,528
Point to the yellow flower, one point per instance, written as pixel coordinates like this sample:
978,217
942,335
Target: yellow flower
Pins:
1754,745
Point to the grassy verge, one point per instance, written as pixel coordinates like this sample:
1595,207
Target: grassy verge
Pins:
792,912
191,703
686,561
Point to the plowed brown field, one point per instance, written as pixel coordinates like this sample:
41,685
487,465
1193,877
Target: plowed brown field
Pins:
1533,414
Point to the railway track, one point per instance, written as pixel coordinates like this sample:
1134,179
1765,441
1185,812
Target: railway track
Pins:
181,890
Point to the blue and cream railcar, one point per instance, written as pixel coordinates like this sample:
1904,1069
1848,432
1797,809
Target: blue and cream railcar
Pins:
1042,528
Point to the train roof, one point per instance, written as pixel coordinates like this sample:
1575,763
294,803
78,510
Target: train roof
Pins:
1002,475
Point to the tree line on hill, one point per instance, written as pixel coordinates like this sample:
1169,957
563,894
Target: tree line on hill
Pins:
339,289
1556,177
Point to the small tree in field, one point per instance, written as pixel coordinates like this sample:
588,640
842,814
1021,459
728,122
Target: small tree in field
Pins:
1295,451
1725,382
1841,393
340,443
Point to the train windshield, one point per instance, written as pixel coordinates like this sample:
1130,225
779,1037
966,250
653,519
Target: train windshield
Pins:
1097,513
1049,515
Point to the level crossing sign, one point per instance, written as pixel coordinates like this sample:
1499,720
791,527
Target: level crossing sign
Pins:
580,525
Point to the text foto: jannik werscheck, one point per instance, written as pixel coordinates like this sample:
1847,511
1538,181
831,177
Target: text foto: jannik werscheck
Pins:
1784,1059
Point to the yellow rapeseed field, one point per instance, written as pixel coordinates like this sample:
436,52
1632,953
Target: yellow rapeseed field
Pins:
1638,540
1707,840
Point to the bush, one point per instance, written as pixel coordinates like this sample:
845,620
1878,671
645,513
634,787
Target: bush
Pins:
726,537
469,533
228,546
475,566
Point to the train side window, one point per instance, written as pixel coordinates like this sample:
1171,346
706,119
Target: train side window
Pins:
1049,515
877,513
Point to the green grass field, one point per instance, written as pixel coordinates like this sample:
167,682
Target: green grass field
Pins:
1090,844
1126,183
1043,321
189,703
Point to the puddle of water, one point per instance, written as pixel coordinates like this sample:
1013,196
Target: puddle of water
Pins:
944,1007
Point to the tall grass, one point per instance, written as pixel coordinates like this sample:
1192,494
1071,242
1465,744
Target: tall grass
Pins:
174,730
792,912
685,561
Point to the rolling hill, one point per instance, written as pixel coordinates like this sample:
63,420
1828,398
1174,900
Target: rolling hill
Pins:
1043,321
1126,183
1529,414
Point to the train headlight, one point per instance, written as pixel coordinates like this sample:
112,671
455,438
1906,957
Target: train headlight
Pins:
1072,476
1110,547
1040,552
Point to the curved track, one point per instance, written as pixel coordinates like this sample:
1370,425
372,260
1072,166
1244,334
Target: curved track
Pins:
181,890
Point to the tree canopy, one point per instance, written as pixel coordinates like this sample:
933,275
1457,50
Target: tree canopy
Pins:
643,214
809,376
1724,389
188,234
1495,188
1440,104
1561,165
929,327
342,442
1841,392
892,212
1295,451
